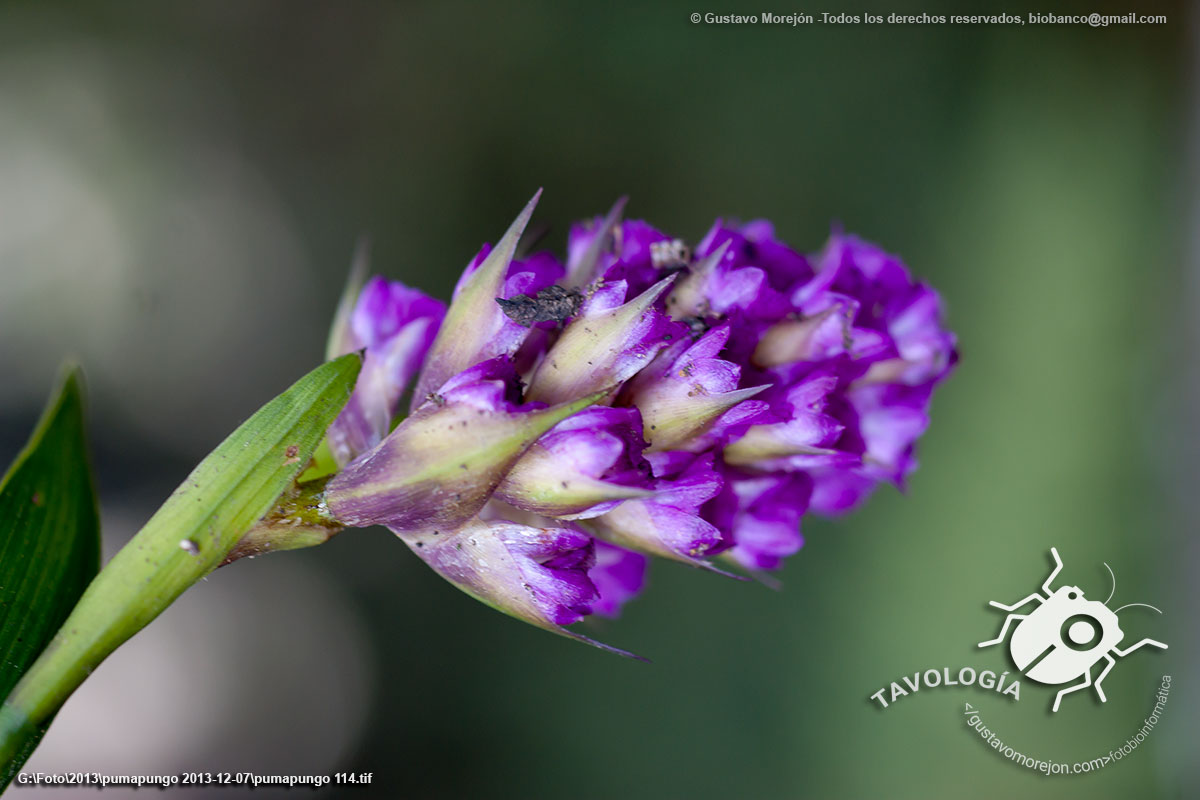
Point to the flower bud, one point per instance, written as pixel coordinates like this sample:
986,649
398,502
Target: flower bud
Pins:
689,397
606,250
812,338
605,345
583,467
804,438
538,575
395,326
590,244
669,524
439,466
715,288
475,328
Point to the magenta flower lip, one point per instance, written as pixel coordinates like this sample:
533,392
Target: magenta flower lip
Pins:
641,400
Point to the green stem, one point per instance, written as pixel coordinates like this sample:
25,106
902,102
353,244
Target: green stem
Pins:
299,519
145,577
194,532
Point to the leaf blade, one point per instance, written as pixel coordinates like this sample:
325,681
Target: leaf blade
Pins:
49,540
49,532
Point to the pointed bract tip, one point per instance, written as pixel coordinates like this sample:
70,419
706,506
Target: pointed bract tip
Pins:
708,566
767,579
561,411
584,270
495,265
69,391
350,364
340,338
613,217
648,297
608,648
360,262
527,211
710,261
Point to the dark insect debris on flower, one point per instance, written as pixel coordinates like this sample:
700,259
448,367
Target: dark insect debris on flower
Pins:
552,304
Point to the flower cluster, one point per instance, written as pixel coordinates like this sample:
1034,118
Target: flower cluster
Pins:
641,399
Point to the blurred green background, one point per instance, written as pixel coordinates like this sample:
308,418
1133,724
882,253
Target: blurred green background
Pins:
180,189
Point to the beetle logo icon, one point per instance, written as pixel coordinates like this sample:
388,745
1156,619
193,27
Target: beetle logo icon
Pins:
1065,636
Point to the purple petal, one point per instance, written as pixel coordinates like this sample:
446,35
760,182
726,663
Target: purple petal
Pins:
669,524
754,244
764,514
837,492
619,575
396,325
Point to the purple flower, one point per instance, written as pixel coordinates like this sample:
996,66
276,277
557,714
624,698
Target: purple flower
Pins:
898,351
851,355
754,245
889,420
699,406
542,576
395,325
803,436
590,246
720,285
606,250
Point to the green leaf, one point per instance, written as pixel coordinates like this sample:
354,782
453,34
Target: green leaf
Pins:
185,540
49,535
